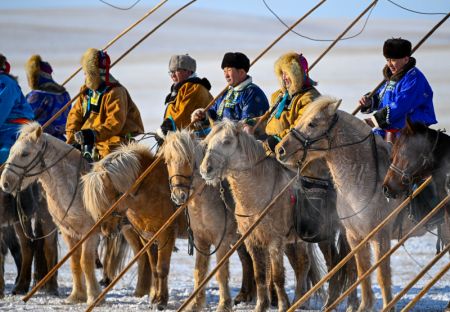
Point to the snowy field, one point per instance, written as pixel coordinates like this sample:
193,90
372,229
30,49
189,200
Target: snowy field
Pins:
352,68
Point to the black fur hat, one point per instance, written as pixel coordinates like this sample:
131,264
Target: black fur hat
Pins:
237,60
396,48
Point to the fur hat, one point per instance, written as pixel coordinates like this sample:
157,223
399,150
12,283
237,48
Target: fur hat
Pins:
96,66
237,60
396,48
296,67
38,72
4,65
182,62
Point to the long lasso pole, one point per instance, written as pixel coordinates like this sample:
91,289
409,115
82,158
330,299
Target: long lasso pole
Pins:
358,247
146,246
427,287
237,244
123,33
145,173
270,111
357,109
417,278
389,253
97,224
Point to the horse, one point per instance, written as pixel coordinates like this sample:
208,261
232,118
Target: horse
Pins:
255,179
8,240
358,160
146,209
28,244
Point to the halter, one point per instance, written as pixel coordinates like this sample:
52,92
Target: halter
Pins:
407,176
187,185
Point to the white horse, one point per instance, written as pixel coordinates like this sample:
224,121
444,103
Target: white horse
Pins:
58,166
358,161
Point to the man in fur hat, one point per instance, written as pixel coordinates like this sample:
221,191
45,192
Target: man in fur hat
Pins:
46,96
14,109
104,115
406,92
243,100
288,103
187,93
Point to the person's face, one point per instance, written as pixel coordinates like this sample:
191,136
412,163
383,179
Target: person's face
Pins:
286,79
234,76
396,65
179,75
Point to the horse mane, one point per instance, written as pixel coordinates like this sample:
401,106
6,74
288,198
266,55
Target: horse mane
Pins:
27,129
314,108
178,147
122,167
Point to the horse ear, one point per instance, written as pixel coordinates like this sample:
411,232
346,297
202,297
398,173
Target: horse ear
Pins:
36,134
334,107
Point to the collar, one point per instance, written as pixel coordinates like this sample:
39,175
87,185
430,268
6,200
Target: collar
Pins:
242,85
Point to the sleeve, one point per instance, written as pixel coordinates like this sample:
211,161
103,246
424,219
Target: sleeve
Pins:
116,108
74,120
7,97
406,99
254,104
187,100
35,102
212,111
307,99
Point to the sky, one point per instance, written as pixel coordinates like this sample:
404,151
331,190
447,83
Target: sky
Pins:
284,8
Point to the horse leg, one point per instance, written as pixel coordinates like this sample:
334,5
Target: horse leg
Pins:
382,246
88,265
201,268
143,282
223,276
165,248
300,262
277,269
3,251
259,258
152,254
12,243
78,293
26,249
335,285
247,292
363,264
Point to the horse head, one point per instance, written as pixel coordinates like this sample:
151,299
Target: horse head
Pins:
412,158
25,161
222,143
179,152
311,136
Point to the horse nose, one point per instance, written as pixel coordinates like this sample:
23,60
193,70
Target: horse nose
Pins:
386,191
5,186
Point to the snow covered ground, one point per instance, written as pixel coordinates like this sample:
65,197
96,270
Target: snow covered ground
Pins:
351,69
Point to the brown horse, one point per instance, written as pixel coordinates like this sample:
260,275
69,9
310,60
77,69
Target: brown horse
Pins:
358,160
255,180
147,209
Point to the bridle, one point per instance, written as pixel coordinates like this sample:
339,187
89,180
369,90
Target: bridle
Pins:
187,184
407,176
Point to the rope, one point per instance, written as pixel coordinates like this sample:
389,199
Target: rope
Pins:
119,8
413,11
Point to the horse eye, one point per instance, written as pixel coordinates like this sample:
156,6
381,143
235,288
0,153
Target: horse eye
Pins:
312,124
24,154
226,142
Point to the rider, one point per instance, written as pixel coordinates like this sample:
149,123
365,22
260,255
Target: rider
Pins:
187,93
46,96
243,99
14,109
288,103
406,92
104,116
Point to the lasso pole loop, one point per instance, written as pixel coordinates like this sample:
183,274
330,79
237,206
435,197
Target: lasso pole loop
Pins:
270,111
134,186
389,253
357,109
350,255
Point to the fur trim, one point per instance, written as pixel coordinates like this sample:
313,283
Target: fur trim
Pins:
89,62
32,69
387,74
289,64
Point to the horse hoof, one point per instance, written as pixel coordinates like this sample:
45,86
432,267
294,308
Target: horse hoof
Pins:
105,281
19,290
161,306
75,298
243,297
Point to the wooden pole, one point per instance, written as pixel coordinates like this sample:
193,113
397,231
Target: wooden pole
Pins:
357,109
417,278
270,111
350,255
389,253
237,244
134,186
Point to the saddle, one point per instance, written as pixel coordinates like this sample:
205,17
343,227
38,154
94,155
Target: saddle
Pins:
314,209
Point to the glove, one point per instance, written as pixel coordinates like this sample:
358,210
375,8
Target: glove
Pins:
271,142
85,137
76,145
167,125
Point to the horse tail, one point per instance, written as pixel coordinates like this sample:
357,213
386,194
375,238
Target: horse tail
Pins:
111,177
316,270
114,250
